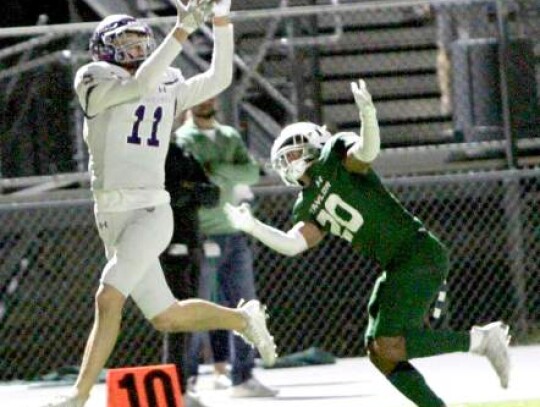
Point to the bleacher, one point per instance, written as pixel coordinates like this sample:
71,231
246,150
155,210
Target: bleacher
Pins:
393,48
392,45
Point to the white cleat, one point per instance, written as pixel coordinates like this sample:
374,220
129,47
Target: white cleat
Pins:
66,400
221,381
492,341
252,388
193,399
256,332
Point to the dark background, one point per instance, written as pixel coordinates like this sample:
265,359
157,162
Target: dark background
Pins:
36,107
26,12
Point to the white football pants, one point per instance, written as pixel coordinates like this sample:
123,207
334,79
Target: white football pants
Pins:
133,242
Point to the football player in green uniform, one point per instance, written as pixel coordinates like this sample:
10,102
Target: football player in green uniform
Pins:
342,195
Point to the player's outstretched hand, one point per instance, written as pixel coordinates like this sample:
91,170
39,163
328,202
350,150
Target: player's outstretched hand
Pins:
193,14
221,8
362,97
240,217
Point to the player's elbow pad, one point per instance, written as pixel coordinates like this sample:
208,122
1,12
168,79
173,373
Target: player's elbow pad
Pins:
365,152
368,147
288,244
296,244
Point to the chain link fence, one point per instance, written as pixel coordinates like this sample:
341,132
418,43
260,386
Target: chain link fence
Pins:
51,257
435,76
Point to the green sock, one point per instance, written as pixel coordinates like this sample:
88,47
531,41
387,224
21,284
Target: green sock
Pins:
412,385
422,343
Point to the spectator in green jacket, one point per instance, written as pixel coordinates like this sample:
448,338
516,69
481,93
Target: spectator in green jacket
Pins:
228,164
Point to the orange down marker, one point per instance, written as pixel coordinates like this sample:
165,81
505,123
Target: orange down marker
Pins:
144,386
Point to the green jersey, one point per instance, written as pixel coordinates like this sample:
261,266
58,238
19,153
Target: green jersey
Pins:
356,207
228,162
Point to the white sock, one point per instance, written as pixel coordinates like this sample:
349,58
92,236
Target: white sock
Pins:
476,340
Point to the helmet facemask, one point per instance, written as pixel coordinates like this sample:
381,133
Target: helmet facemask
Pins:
292,161
122,40
295,149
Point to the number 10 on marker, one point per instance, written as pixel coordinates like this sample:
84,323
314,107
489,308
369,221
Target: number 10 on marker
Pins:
145,386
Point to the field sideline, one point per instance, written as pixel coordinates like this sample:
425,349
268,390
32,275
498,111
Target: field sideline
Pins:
462,380
530,403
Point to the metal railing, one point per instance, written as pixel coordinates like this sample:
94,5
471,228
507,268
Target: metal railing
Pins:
422,97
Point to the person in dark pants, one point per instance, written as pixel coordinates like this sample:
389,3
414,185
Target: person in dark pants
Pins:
227,161
190,189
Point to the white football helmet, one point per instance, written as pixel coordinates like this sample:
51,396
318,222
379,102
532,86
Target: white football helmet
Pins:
108,44
296,147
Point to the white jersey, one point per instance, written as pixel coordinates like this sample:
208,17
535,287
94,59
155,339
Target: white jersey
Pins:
129,120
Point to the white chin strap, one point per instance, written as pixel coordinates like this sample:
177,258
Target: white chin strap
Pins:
295,170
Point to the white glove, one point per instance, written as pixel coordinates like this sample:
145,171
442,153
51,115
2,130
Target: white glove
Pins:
221,8
192,15
240,217
362,97
289,244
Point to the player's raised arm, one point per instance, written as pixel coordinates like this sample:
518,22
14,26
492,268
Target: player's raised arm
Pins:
126,66
189,18
300,238
221,10
366,149
218,76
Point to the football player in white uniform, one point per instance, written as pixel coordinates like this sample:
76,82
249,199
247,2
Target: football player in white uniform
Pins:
130,96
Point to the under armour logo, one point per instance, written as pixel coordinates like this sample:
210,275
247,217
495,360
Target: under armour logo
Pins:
103,225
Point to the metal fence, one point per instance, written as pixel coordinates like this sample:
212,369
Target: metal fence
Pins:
51,257
435,70
436,76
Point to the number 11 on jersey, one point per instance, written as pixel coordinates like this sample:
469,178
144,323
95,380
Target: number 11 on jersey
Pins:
152,141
